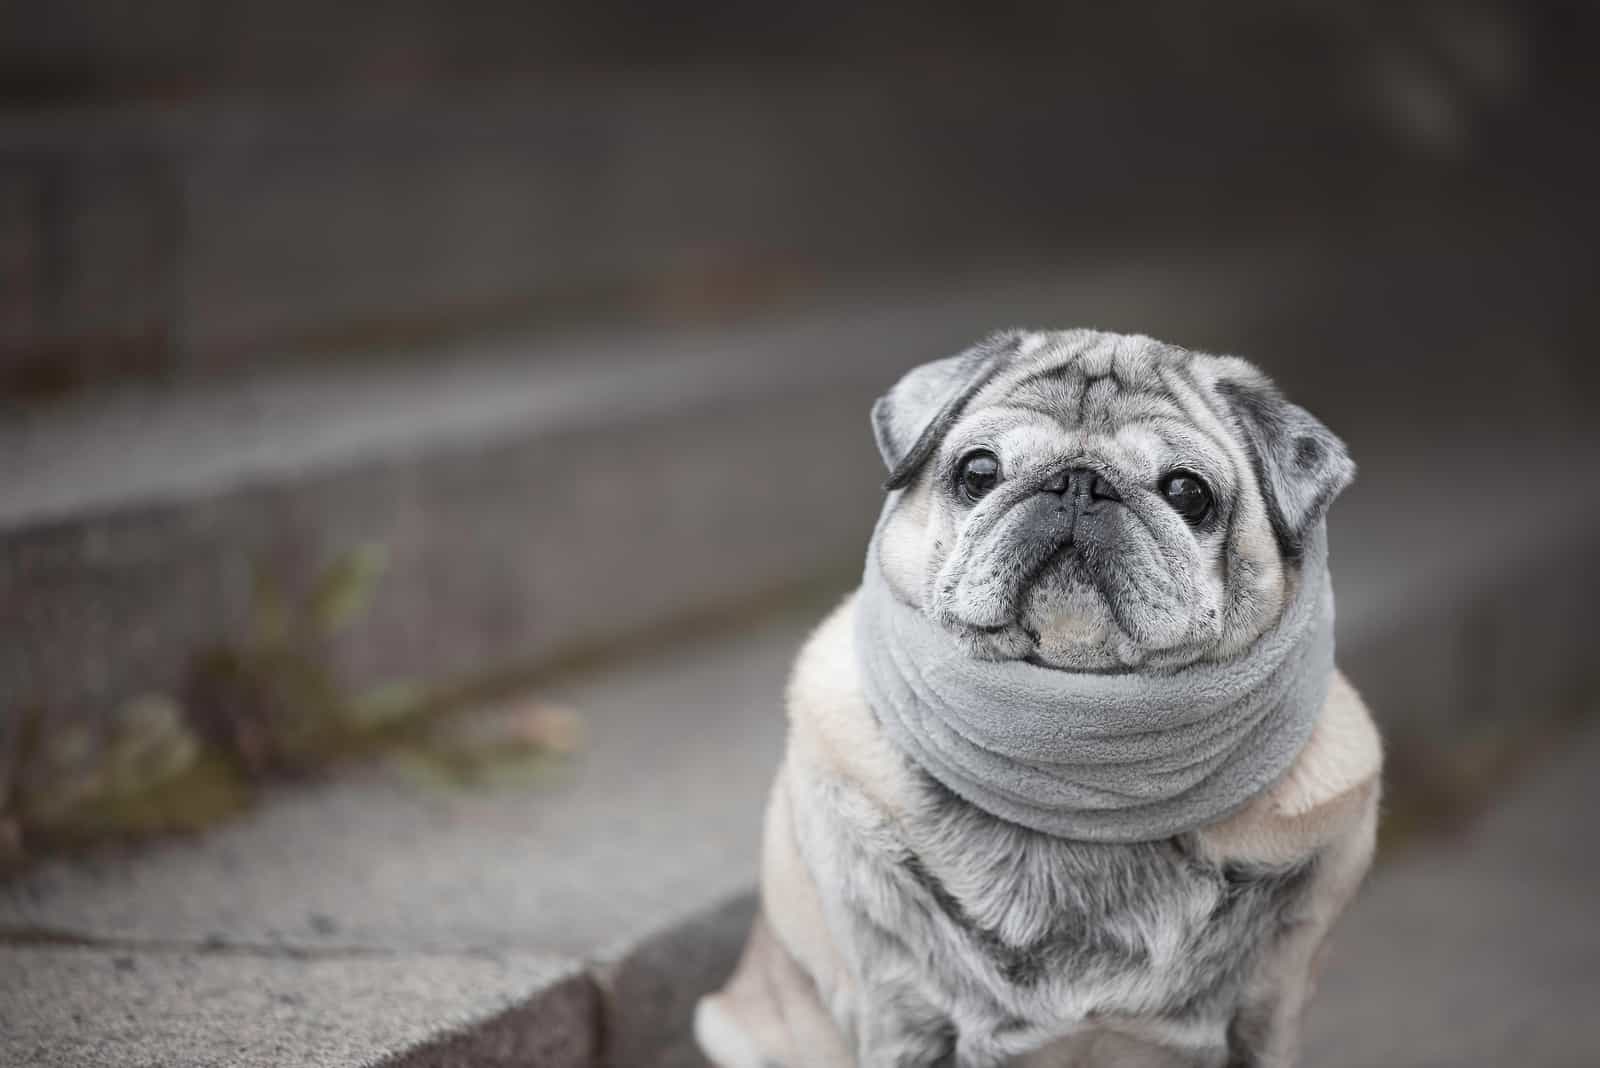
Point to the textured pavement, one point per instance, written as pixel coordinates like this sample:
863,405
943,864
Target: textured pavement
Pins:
154,1006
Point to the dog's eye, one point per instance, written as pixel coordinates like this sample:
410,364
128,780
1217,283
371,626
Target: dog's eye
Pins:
980,473
1188,495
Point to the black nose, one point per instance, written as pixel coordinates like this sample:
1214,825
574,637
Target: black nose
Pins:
1081,484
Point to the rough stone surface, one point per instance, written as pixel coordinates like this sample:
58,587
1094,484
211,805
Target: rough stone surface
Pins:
142,1006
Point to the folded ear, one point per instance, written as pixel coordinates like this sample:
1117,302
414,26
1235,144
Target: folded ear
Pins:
910,420
1301,464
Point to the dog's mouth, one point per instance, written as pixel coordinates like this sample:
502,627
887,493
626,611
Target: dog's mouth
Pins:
1049,597
1066,609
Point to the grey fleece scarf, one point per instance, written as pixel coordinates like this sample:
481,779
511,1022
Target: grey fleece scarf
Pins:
1105,757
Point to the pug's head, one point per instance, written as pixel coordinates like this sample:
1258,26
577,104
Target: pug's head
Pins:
1099,502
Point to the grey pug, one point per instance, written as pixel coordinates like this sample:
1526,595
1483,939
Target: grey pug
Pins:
903,924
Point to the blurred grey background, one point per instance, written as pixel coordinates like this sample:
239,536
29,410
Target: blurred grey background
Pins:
518,342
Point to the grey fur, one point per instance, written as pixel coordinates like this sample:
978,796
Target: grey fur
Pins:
975,940
1299,465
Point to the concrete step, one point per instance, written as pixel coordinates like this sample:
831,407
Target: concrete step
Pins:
588,910
456,912
150,1006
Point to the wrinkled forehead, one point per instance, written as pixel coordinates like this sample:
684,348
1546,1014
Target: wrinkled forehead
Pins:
1124,400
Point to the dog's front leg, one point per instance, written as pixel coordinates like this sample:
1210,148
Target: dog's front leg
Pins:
1265,1032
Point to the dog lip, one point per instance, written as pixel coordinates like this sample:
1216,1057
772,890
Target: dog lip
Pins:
1035,660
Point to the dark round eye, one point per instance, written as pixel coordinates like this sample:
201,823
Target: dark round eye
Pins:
1188,495
979,473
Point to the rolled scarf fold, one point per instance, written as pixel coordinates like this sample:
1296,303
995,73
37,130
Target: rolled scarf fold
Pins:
1106,757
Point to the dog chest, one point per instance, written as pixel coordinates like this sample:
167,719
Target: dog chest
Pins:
1076,928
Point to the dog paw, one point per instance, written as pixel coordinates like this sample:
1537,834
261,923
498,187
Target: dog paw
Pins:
722,1040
